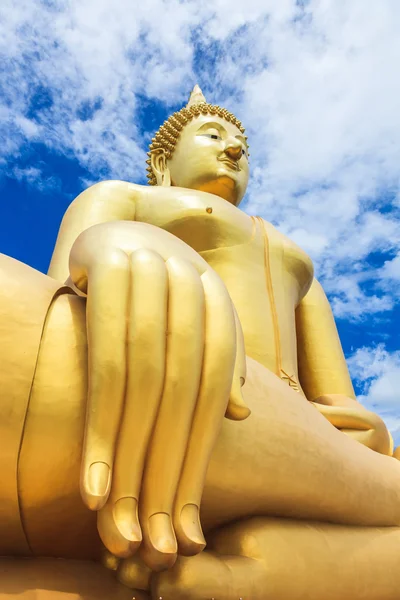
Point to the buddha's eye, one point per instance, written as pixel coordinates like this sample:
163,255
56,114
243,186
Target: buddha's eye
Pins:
213,136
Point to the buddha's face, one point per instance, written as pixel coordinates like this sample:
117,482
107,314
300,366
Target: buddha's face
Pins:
211,155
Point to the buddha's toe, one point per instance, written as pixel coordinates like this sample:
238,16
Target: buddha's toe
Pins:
209,575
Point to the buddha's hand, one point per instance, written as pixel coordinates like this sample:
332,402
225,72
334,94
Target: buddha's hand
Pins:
356,421
166,363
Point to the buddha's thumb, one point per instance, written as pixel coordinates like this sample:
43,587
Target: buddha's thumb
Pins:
237,410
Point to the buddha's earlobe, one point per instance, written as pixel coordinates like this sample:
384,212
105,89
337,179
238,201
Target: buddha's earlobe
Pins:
160,168
166,179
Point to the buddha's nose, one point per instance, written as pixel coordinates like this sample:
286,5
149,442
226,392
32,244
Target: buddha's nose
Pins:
234,150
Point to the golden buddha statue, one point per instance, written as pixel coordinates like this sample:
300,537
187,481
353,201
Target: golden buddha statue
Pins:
167,309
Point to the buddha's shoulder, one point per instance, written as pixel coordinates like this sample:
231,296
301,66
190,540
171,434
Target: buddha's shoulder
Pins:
110,191
117,185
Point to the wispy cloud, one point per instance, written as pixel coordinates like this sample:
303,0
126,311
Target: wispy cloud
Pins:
377,371
36,177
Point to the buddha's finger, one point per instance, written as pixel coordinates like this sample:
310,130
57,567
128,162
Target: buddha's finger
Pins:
118,522
378,439
237,410
216,381
185,344
106,312
360,424
344,417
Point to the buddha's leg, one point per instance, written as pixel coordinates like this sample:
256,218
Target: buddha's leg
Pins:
290,461
284,559
287,460
24,303
56,521
24,300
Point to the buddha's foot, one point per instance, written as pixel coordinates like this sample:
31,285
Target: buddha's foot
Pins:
280,559
209,575
206,575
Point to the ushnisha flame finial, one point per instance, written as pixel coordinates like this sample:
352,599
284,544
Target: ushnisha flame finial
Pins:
196,97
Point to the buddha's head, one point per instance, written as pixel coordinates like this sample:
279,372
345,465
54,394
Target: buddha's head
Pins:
201,147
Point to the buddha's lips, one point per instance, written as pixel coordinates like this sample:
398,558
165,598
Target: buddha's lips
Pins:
230,163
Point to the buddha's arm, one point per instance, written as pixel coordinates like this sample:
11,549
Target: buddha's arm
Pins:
101,203
322,366
324,375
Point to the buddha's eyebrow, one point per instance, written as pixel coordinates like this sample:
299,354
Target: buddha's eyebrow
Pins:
213,125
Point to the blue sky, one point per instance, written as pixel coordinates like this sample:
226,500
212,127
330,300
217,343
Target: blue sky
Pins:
84,84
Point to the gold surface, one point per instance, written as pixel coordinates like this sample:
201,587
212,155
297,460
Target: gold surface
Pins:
21,323
181,310
52,579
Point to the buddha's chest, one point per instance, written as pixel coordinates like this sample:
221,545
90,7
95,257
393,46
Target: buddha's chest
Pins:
255,261
265,273
204,221
266,276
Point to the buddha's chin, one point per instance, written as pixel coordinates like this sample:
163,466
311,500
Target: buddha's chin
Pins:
223,186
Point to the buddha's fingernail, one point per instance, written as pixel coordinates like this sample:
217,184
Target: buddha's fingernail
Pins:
162,536
99,479
190,523
125,513
237,409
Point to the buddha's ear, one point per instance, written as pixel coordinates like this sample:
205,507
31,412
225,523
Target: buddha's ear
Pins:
160,168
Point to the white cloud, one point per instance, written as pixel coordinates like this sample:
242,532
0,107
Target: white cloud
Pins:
316,86
83,53
356,305
28,128
378,372
391,269
36,177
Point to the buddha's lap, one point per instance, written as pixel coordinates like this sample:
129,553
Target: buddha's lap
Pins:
285,459
327,561
24,301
